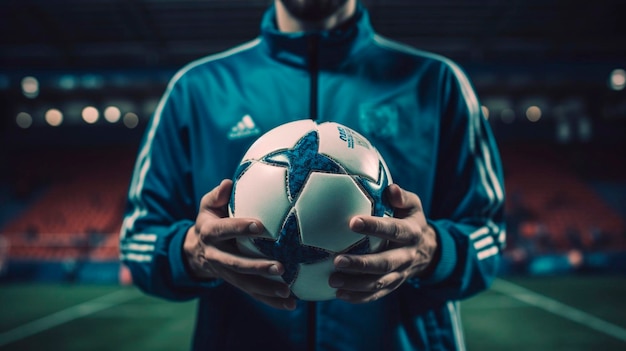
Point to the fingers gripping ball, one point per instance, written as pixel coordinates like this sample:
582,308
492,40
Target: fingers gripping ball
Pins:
305,181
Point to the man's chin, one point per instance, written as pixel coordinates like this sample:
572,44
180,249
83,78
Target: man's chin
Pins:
312,10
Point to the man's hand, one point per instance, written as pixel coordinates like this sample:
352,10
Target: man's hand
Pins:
211,251
412,245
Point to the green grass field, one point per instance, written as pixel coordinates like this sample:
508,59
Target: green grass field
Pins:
555,313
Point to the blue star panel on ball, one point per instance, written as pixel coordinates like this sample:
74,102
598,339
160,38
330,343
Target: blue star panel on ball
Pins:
305,181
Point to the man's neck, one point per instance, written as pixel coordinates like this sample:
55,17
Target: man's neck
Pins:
287,23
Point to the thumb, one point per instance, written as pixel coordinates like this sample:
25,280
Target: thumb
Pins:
219,196
404,202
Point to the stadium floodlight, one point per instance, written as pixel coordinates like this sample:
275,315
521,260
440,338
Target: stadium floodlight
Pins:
24,120
617,80
54,117
30,87
131,120
533,113
112,114
90,114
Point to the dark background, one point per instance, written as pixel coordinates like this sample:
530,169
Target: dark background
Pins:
555,55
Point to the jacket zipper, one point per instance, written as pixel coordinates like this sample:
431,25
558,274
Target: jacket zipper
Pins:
312,326
313,61
313,57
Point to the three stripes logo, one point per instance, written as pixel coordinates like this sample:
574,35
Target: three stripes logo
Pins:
244,128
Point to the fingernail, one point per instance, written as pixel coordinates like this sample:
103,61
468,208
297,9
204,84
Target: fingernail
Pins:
253,228
289,306
274,270
336,282
283,293
358,224
342,262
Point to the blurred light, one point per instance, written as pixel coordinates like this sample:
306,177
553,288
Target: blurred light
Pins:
92,81
120,80
533,113
24,120
131,120
67,82
112,114
90,114
485,111
149,106
585,130
575,258
5,82
30,87
507,115
617,80
495,104
54,117
73,110
563,131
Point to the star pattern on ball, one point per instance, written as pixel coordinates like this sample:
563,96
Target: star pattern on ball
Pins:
241,169
303,159
361,247
289,250
377,191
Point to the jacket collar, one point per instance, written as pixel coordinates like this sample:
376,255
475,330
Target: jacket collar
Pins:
332,47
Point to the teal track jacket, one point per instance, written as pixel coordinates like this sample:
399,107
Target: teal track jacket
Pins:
417,108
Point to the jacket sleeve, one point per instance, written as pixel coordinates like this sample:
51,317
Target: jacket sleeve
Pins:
161,205
467,210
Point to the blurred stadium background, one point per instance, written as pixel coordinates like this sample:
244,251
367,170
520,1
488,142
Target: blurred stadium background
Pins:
79,80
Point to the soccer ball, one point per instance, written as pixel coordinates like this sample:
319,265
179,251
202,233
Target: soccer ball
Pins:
305,181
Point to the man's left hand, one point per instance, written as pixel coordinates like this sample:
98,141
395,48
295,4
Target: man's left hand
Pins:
412,244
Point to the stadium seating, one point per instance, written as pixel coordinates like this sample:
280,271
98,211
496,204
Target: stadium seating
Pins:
78,211
558,209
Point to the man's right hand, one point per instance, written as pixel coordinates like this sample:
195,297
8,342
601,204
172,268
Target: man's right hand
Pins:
211,251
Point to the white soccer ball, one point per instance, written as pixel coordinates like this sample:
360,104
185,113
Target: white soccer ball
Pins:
305,181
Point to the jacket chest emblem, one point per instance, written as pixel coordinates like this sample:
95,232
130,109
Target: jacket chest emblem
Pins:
243,128
379,120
